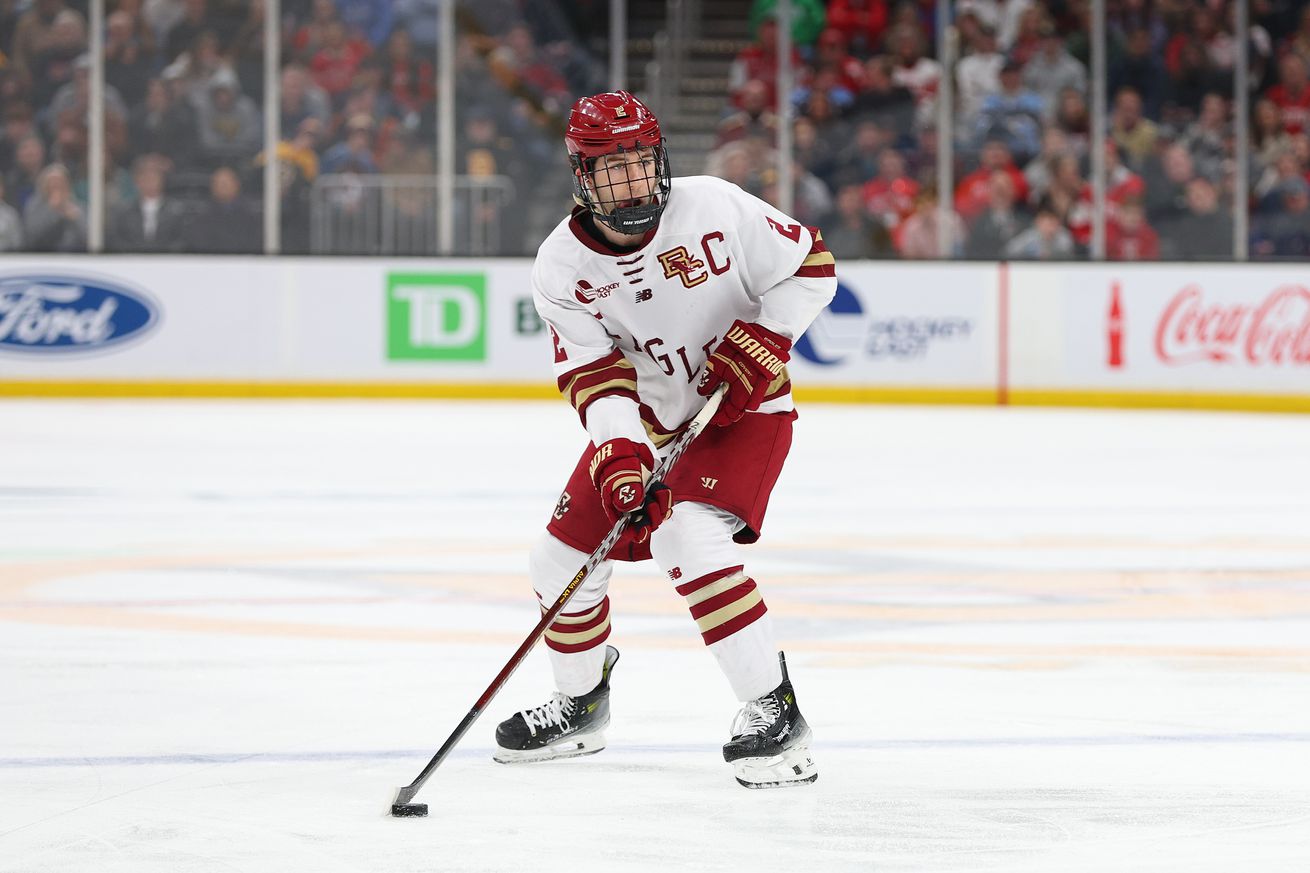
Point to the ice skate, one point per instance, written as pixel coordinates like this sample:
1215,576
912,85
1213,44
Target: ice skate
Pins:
562,727
770,745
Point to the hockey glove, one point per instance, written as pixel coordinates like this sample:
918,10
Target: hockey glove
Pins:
618,472
749,359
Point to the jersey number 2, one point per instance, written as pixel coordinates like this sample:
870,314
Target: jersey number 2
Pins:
791,231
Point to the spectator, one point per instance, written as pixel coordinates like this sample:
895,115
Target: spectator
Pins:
354,154
165,125
128,64
1298,42
311,36
1129,237
153,222
851,233
333,66
1141,70
53,220
29,160
1002,221
520,59
226,224
1268,189
1166,181
978,75
862,22
814,152
858,160
753,120
302,99
1072,118
826,82
297,170
1286,234
1001,15
1071,198
883,101
1205,233
918,74
1190,79
230,126
759,62
1207,138
11,225
1047,240
245,52
1038,172
369,19
889,197
1052,69
1268,137
1292,93
1134,133
419,19
52,63
1013,114
973,194
197,18
73,100
919,236
483,150
807,18
19,124
409,78
33,33
811,200
831,54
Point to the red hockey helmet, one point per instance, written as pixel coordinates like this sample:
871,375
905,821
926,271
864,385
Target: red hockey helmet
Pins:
612,123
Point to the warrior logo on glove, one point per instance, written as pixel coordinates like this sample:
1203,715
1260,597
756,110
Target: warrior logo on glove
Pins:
749,359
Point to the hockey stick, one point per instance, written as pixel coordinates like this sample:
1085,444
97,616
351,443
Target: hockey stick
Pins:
402,806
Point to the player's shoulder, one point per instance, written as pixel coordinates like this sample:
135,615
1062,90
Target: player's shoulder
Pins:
557,251
696,187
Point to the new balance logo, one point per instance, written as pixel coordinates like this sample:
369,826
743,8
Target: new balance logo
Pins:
707,483
645,294
675,574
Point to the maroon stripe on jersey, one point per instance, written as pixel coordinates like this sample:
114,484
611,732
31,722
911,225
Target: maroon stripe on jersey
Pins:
709,579
718,601
728,628
817,243
822,271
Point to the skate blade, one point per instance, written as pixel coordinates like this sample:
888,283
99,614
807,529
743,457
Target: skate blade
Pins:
569,747
795,766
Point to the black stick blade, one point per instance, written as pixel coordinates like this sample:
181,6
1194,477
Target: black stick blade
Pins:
409,810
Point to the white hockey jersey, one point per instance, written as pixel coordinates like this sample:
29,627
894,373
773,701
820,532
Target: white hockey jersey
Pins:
633,330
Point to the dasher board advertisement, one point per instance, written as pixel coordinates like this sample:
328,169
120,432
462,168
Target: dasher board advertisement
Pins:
172,320
904,325
1204,328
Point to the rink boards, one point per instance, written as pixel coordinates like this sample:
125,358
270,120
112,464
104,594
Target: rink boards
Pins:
1205,335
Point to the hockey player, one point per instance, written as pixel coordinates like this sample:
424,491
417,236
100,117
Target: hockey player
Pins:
655,293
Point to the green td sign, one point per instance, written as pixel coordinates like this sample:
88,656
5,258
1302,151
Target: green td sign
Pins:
436,316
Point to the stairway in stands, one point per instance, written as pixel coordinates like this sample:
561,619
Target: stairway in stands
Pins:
703,92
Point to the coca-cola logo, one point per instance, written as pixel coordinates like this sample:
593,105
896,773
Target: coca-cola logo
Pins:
1274,331
52,313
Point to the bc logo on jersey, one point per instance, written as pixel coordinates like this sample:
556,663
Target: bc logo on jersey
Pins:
680,262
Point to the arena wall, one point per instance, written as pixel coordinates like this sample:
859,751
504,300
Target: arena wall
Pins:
1170,335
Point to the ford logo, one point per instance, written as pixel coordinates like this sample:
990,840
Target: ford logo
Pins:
53,313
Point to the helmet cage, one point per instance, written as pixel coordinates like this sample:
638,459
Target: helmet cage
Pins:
631,220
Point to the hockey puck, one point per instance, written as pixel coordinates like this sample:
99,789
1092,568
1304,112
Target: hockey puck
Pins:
409,810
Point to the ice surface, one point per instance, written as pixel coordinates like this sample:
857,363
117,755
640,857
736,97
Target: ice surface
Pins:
1027,640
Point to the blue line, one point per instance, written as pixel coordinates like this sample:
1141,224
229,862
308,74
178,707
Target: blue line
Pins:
664,749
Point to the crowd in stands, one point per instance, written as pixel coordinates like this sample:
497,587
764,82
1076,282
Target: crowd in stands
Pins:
184,113
184,122
866,119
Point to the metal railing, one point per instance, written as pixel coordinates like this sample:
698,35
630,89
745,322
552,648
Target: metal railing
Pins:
354,214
